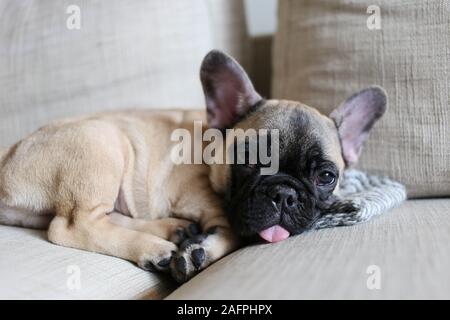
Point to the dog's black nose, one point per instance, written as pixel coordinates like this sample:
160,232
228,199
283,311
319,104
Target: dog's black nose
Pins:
283,196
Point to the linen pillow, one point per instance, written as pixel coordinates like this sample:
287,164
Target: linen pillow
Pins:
327,50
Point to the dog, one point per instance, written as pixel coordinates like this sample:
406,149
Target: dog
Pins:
105,183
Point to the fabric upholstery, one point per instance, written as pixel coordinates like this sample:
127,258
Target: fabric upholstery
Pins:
372,195
409,245
33,268
324,52
127,54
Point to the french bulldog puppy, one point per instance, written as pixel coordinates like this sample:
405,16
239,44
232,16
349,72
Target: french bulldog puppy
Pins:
106,183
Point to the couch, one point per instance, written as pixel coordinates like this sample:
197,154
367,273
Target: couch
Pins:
146,54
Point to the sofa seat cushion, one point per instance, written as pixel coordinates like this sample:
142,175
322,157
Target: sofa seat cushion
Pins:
404,253
33,268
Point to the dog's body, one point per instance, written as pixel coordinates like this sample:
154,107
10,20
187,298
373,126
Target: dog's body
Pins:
106,183
119,158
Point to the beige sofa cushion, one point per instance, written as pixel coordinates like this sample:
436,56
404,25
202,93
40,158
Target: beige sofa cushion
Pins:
324,51
33,268
409,245
142,54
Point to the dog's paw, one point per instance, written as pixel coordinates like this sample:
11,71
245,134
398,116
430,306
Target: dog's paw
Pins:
190,259
182,234
159,261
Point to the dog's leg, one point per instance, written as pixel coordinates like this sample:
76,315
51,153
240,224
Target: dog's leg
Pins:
173,229
216,241
93,230
23,218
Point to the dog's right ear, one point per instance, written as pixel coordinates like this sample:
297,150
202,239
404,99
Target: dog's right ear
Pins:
229,93
354,119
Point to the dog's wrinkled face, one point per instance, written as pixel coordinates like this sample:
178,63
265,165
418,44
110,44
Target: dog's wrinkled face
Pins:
310,163
313,152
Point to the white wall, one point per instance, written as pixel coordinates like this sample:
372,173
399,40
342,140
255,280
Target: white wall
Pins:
261,16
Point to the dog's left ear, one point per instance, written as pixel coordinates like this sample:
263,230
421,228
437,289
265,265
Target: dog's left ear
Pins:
354,119
229,93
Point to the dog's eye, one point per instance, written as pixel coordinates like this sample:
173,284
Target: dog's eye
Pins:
326,178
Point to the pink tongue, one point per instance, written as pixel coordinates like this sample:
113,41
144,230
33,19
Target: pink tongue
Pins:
274,234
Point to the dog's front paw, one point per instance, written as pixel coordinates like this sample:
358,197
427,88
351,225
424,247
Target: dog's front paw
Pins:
198,252
181,234
159,260
190,259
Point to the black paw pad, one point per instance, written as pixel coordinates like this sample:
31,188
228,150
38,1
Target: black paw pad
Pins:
198,257
181,265
149,266
199,238
193,229
164,263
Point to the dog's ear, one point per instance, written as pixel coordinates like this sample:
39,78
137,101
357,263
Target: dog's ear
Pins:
354,119
229,93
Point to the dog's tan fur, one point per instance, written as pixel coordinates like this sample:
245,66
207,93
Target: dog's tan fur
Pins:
82,171
275,114
107,183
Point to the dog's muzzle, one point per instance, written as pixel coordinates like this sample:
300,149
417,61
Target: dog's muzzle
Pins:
283,198
290,202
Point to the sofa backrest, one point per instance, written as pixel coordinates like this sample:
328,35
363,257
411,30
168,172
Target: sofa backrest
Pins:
126,54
